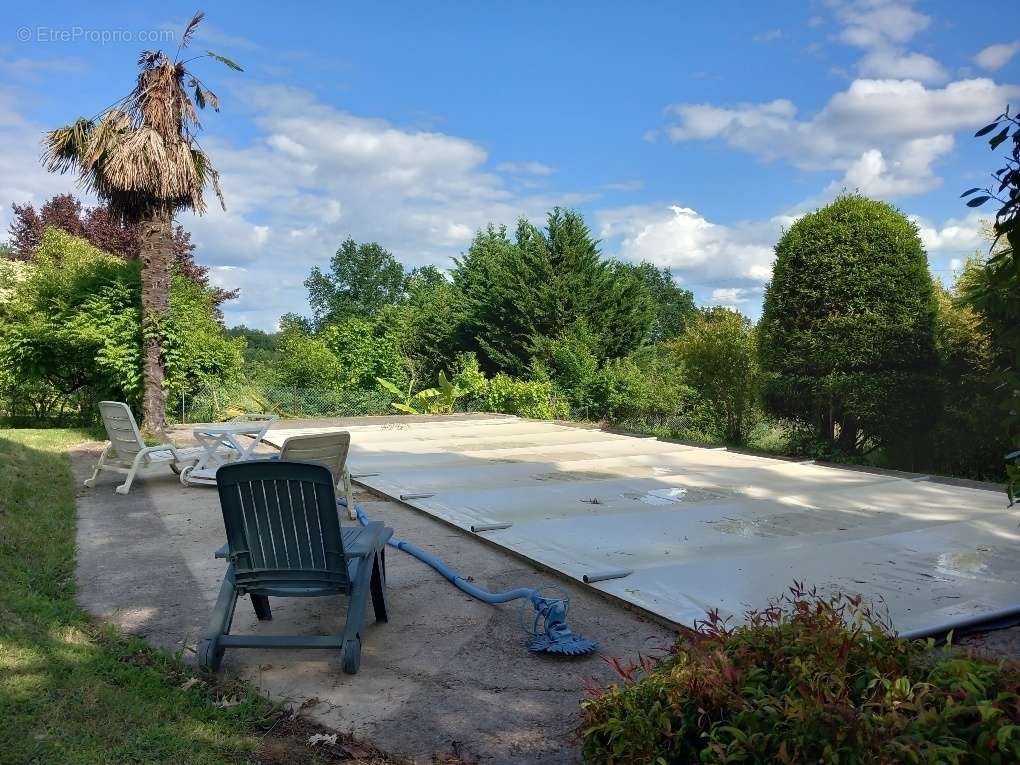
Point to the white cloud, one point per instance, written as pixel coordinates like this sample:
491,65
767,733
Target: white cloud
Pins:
524,168
315,175
22,176
701,254
997,56
883,134
893,63
311,176
908,171
955,235
634,184
735,297
871,23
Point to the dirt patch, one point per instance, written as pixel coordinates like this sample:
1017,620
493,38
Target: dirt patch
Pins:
296,740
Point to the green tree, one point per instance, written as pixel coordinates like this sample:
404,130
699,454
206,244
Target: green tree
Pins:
141,158
306,362
718,356
674,306
847,331
366,349
427,323
994,289
970,435
74,322
362,279
515,293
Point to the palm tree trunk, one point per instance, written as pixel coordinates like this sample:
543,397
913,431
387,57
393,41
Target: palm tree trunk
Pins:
156,236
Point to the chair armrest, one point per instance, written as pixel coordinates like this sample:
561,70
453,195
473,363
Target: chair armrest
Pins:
222,552
360,542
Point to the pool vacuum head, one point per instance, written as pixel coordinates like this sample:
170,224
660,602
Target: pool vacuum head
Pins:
550,633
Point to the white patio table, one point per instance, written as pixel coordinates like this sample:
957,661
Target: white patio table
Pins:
222,443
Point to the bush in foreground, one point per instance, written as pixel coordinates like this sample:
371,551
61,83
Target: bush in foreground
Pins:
809,679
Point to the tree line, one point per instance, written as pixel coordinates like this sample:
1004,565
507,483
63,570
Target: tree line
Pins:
859,355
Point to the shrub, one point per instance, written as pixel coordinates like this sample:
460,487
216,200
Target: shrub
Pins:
468,375
619,390
526,398
808,679
718,355
846,335
970,434
72,324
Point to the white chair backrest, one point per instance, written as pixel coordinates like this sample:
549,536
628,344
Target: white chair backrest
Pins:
329,449
121,428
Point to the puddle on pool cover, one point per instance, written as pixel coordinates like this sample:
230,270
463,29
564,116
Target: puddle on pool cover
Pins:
806,521
674,495
974,561
574,475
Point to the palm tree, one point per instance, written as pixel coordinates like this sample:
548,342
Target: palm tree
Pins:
140,156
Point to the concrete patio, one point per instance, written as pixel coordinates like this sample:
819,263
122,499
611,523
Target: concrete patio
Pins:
446,674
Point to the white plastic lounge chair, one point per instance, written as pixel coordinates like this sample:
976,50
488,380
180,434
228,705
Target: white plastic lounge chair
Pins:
127,451
329,449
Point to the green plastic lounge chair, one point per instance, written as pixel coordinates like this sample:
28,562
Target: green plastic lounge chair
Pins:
284,540
329,449
127,452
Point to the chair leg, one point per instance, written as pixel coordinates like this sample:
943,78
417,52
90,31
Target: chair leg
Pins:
349,494
378,587
91,480
210,653
350,646
261,605
125,487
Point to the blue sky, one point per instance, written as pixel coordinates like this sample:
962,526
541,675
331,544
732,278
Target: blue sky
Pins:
689,134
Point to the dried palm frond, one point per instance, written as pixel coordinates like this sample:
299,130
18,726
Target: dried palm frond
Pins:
189,31
140,154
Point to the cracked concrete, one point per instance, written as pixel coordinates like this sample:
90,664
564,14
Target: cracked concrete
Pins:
447,673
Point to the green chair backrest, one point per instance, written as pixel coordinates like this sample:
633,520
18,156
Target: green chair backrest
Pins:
282,527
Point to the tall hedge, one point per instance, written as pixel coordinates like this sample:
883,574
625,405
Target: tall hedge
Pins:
846,339
515,293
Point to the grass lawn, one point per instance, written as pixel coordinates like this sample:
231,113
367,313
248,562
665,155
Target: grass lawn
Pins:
72,691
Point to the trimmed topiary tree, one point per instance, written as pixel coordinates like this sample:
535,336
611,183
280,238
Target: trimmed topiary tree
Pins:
846,339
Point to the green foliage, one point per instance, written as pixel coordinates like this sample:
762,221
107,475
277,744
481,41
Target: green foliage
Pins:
365,349
846,338
970,436
73,324
993,290
674,306
439,400
516,294
809,679
426,322
72,692
594,388
362,279
525,398
196,352
468,375
571,361
718,355
306,362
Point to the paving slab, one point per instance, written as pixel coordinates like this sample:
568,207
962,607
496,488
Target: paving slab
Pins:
447,673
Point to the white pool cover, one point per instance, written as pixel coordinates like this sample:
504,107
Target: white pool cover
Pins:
701,528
